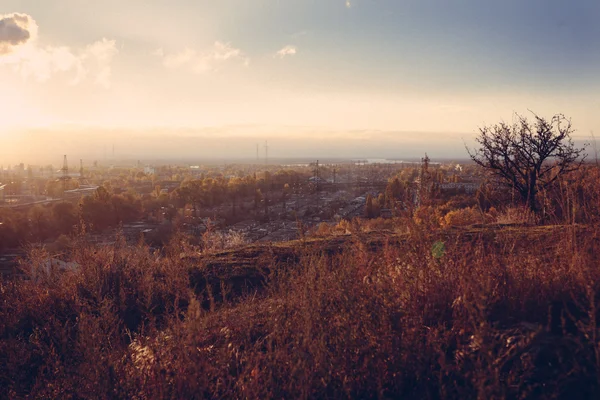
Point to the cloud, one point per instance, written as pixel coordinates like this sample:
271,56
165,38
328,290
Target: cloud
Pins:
15,30
20,51
178,59
287,51
348,4
211,59
101,54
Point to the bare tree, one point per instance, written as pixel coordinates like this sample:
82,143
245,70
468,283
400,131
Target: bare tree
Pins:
528,157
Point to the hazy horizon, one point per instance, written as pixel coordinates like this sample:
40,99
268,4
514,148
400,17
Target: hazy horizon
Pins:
335,78
230,143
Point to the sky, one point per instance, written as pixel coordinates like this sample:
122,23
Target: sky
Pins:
348,78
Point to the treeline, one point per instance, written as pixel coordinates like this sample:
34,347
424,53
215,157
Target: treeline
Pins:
574,198
41,223
106,209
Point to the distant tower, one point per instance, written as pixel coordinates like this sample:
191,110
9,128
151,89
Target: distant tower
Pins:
317,173
257,158
424,181
425,166
82,179
65,168
317,179
65,174
266,153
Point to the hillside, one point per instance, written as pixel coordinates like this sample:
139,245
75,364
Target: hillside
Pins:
496,312
246,269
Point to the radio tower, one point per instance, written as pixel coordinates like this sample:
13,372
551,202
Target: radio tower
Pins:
65,169
65,174
424,181
82,179
317,176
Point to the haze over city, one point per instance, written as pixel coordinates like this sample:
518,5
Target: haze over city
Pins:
334,78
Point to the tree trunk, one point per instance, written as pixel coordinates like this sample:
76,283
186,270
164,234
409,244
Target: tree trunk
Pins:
531,196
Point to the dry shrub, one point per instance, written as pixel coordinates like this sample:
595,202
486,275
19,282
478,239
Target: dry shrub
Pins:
61,245
462,217
324,230
515,216
379,224
217,241
427,216
361,225
499,314
344,227
61,336
468,216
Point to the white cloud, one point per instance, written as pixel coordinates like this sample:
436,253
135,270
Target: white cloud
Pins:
205,61
20,50
178,59
348,4
41,64
287,51
101,54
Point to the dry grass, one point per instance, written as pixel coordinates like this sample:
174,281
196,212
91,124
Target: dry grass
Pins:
499,314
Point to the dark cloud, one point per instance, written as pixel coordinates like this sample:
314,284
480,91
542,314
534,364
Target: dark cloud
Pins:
15,30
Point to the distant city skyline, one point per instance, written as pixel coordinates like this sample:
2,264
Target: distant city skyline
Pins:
231,143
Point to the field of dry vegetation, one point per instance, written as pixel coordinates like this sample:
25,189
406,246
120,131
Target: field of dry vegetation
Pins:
505,312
